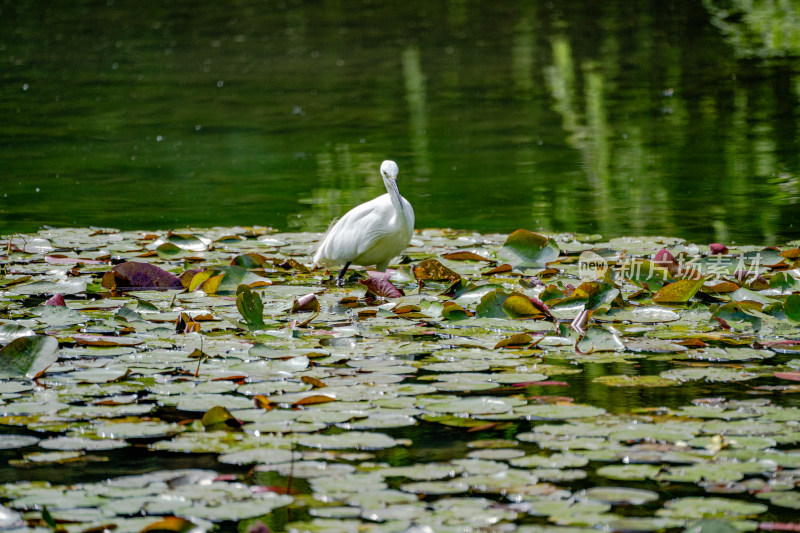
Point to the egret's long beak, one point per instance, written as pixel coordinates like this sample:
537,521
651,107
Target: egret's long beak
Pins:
391,184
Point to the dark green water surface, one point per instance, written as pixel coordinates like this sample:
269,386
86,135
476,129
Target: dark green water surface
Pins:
619,118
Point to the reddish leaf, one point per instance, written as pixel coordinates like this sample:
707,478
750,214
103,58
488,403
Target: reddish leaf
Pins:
717,248
791,376
379,285
779,526
259,526
140,276
665,259
56,300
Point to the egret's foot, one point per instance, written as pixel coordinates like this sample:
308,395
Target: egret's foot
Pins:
340,277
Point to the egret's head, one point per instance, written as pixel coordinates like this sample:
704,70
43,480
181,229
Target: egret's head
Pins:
389,169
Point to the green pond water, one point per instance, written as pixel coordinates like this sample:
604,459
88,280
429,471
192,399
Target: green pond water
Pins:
676,117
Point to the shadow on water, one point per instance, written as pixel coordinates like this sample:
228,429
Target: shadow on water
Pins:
672,118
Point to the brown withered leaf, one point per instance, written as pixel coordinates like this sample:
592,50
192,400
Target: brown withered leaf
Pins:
723,287
197,353
292,264
349,301
514,341
314,399
250,260
314,382
102,340
465,256
433,270
497,270
262,402
692,343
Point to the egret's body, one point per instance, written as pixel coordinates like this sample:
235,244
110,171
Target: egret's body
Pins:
372,233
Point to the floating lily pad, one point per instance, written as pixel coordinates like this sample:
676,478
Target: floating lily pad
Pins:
28,356
619,495
558,412
8,442
710,508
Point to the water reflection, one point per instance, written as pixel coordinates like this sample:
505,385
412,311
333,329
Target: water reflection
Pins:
675,118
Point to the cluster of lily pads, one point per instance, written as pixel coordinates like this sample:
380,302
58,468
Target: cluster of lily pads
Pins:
320,398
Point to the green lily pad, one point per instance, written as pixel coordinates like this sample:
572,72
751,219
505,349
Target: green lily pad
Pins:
630,472
635,381
526,249
558,412
710,508
28,356
619,495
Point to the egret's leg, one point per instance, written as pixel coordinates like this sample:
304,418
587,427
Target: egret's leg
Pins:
340,277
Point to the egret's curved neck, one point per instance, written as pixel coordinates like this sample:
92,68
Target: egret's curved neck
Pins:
394,193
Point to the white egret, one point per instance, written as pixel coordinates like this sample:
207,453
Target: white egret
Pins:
372,233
